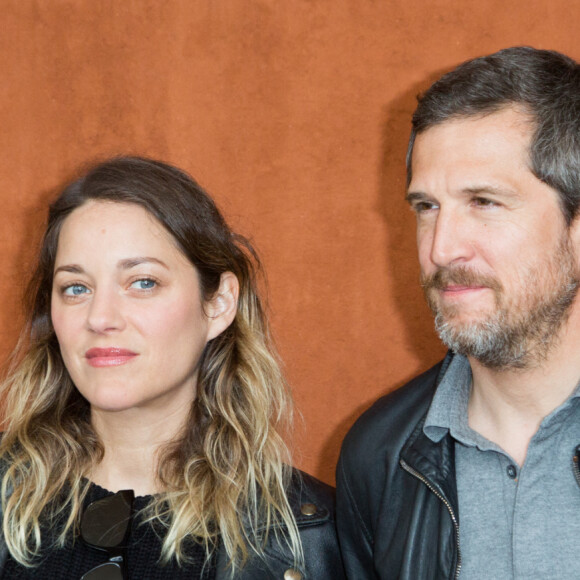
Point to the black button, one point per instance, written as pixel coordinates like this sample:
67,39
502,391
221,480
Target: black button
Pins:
512,471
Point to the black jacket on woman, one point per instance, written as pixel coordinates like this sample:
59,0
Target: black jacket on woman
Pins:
397,510
312,503
313,506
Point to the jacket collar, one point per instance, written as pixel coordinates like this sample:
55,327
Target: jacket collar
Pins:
434,461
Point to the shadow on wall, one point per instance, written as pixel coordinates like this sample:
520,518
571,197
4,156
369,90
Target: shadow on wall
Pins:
418,338
22,260
34,221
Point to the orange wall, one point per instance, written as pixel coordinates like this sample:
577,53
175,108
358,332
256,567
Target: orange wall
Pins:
295,116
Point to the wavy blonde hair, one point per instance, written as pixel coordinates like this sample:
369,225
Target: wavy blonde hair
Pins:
226,477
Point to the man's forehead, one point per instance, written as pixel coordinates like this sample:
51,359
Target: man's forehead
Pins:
498,142
513,117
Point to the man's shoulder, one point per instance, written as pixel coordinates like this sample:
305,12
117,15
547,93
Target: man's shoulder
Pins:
392,418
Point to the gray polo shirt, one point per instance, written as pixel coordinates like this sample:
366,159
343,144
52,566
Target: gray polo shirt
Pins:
513,523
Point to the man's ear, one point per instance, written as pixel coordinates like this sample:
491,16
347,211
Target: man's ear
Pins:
574,237
222,308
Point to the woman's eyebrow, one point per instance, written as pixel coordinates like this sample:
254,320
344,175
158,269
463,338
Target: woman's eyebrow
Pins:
128,263
72,268
125,264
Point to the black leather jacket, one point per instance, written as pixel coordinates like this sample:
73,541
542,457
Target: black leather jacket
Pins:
396,491
313,505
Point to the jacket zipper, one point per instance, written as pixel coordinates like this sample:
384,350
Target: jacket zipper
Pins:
422,478
575,466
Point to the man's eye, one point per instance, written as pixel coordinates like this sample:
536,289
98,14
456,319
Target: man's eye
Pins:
423,206
483,202
75,290
144,284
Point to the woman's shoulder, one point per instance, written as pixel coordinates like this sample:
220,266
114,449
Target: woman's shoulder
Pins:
311,500
312,503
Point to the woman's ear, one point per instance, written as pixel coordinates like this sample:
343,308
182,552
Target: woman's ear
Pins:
222,308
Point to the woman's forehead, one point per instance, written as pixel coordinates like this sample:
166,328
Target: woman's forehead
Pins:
100,229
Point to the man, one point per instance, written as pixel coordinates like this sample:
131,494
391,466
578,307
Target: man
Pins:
471,470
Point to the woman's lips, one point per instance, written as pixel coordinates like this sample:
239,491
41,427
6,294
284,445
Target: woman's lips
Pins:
109,357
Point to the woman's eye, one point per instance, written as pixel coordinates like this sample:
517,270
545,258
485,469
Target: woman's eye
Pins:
75,290
144,284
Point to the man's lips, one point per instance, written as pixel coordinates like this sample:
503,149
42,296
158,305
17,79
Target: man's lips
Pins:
109,357
459,288
458,291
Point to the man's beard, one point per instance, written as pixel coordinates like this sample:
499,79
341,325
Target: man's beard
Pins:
521,331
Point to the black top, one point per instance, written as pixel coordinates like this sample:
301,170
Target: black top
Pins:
75,559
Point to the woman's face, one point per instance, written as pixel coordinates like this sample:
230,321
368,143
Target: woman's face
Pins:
127,310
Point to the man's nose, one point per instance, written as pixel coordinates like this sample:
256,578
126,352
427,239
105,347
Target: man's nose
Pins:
452,239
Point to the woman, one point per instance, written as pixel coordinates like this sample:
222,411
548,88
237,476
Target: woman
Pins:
146,370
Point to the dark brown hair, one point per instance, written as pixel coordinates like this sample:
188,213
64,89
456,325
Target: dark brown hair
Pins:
543,83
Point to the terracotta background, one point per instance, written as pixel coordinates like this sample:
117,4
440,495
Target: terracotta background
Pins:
295,116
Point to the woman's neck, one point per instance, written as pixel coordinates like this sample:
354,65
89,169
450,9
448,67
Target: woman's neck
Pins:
131,440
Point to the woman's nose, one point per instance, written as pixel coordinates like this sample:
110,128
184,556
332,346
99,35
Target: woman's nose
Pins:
105,312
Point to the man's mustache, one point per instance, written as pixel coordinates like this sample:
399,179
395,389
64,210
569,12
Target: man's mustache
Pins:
459,276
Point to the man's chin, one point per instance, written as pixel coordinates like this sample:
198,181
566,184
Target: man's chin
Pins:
462,319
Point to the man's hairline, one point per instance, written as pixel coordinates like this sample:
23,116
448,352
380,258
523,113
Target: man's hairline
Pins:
517,106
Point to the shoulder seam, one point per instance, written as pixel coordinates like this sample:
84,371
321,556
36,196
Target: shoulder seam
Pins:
354,505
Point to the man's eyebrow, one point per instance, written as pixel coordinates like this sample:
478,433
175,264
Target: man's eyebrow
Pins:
413,196
489,188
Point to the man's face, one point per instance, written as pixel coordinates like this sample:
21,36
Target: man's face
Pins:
498,263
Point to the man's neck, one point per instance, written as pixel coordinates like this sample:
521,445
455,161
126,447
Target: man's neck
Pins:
507,406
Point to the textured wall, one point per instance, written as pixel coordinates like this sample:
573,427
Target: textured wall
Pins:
295,116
